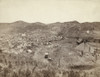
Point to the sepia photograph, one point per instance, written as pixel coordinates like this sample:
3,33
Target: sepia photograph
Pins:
49,38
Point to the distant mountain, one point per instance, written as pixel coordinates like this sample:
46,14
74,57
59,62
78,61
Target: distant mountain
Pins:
66,29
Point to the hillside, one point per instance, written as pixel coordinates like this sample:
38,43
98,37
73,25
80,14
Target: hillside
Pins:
70,45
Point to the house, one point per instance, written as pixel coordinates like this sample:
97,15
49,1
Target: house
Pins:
85,48
93,49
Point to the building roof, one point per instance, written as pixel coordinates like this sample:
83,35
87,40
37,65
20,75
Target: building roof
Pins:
86,47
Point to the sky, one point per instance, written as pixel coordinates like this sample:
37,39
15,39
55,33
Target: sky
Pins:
49,11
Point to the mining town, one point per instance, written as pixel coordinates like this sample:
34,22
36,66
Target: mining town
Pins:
67,49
